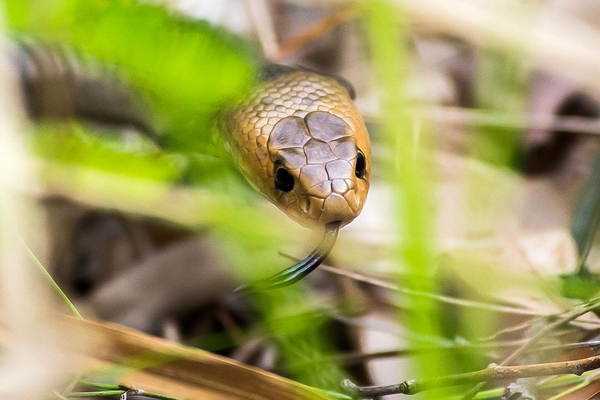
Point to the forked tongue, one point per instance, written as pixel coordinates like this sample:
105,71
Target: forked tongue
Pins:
303,267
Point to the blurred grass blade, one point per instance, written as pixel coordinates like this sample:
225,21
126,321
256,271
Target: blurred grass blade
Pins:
57,289
586,218
501,87
387,29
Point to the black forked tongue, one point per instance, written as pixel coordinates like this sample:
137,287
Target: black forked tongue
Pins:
303,267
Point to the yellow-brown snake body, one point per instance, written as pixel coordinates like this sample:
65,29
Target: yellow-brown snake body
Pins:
297,138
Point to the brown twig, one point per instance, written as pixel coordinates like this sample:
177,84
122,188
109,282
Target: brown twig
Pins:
314,32
492,373
496,372
349,358
566,318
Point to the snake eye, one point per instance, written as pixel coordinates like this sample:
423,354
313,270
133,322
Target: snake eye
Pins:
361,165
284,181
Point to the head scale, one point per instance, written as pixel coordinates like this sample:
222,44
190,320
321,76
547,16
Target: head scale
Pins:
300,140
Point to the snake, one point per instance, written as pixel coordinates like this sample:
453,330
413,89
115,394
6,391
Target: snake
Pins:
297,138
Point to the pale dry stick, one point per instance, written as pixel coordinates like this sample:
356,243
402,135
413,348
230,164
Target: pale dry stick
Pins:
491,373
262,21
34,358
545,384
359,277
568,317
384,328
496,371
528,324
511,329
58,290
350,358
409,292
477,117
58,395
565,346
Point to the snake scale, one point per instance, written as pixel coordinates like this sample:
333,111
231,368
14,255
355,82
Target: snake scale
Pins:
297,138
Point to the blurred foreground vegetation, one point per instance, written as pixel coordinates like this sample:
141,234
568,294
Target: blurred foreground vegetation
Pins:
187,74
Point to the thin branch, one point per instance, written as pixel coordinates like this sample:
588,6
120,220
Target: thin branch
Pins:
492,373
511,329
543,385
314,32
58,395
566,318
349,358
478,117
359,277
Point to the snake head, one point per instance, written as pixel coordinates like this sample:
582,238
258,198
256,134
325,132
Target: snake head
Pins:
300,141
320,172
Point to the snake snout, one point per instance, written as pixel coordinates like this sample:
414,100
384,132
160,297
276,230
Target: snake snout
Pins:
320,171
340,207
342,203
331,200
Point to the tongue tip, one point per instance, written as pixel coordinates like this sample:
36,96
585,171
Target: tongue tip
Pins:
241,288
302,268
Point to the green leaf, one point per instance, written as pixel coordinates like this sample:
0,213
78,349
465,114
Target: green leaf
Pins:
586,217
186,70
72,144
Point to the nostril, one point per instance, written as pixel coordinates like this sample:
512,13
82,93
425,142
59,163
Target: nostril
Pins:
336,208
